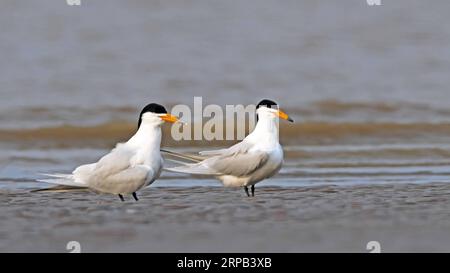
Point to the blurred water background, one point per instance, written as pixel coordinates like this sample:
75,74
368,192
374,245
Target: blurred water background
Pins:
368,86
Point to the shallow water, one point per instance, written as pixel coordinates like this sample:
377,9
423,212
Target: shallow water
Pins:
406,217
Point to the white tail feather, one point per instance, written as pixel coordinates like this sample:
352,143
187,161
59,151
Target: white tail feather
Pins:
193,169
175,161
213,152
61,179
191,158
58,175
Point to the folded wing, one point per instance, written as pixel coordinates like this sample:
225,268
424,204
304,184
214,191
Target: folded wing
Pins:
237,160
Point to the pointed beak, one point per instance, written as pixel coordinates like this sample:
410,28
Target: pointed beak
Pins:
169,118
283,115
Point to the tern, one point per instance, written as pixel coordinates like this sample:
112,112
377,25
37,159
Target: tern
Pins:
129,167
257,157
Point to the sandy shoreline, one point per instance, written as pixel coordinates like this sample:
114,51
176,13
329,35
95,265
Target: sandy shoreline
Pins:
403,217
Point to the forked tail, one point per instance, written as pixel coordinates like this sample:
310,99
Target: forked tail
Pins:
64,182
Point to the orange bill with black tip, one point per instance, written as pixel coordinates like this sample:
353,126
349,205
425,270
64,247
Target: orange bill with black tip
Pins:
283,115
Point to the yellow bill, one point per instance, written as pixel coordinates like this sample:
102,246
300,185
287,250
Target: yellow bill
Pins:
285,116
169,118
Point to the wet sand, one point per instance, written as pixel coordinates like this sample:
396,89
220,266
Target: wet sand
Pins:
402,217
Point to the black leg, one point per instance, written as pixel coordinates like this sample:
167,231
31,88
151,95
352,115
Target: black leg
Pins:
135,196
246,191
121,197
253,190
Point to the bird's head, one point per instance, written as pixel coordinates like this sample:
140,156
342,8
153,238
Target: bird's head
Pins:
269,109
155,113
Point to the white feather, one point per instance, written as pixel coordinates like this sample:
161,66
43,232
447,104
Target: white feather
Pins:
257,157
126,169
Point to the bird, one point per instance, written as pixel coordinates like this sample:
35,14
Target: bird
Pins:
128,167
257,157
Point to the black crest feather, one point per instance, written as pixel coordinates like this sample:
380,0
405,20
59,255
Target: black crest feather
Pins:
152,108
267,103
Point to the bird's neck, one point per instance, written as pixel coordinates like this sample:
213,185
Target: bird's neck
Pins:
147,136
266,129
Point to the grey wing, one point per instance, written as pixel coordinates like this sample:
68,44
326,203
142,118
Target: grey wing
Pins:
114,173
114,162
237,161
82,173
238,147
126,181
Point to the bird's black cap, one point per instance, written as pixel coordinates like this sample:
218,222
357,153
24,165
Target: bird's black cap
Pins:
152,108
267,103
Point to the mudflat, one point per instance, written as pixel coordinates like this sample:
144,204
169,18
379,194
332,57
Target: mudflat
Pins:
401,217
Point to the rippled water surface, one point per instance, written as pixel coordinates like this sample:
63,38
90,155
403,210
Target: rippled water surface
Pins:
367,86
368,156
